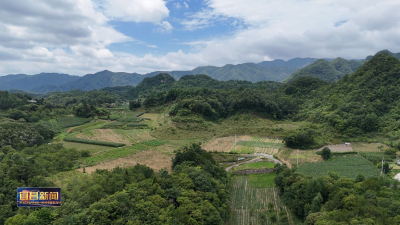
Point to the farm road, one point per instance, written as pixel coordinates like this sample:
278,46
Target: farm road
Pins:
259,158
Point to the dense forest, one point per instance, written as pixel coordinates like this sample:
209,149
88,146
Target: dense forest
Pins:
339,200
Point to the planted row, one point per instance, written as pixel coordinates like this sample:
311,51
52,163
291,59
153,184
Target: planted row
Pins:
93,142
137,125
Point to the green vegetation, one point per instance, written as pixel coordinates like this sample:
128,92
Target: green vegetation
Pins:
88,126
348,166
326,153
186,195
88,147
328,71
254,166
262,180
254,204
112,154
334,199
155,143
376,157
60,123
93,142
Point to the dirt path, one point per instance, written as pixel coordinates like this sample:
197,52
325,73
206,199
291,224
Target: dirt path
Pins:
259,158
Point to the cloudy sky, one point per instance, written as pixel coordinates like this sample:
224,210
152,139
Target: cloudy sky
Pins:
86,36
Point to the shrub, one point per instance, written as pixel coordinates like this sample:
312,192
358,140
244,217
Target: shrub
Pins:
326,153
85,141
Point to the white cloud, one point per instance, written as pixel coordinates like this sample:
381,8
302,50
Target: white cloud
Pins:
153,11
186,5
78,38
164,27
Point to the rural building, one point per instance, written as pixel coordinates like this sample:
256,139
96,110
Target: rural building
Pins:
32,101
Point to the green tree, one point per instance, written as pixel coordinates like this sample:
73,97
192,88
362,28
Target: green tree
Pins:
316,203
326,153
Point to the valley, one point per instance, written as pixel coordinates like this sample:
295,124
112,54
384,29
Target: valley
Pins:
202,151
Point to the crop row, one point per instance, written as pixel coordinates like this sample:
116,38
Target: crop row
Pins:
137,125
252,205
58,124
93,142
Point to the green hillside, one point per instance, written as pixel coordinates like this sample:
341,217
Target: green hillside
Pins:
328,71
365,101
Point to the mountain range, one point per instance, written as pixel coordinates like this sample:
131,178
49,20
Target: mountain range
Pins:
276,70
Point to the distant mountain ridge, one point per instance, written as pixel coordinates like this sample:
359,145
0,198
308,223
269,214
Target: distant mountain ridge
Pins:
27,83
276,70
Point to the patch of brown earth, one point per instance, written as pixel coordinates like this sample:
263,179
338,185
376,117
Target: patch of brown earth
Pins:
150,158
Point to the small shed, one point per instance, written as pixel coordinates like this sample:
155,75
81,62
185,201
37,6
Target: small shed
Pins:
347,144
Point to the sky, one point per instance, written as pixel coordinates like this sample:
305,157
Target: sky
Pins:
79,37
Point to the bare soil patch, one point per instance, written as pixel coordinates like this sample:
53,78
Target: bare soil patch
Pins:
150,158
338,148
223,144
227,144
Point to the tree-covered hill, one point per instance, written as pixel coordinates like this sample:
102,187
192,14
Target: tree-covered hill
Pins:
328,71
365,101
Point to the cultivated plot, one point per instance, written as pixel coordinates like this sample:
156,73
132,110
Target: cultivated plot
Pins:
151,158
253,205
349,166
244,144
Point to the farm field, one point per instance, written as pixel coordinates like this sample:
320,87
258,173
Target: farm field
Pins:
254,166
113,154
63,122
251,205
109,135
241,124
289,156
368,147
349,166
93,125
141,147
244,144
91,148
151,158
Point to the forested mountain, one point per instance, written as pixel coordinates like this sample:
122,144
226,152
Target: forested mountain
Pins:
328,71
164,82
367,100
27,83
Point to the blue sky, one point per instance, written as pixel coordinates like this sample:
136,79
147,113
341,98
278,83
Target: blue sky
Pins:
86,36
